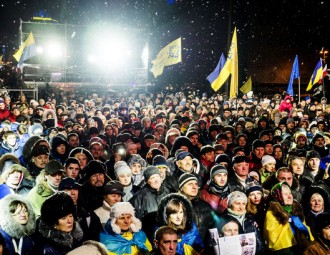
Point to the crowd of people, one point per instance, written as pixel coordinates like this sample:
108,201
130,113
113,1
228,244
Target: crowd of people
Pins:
155,173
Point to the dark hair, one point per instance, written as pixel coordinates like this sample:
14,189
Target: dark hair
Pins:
15,204
164,230
173,207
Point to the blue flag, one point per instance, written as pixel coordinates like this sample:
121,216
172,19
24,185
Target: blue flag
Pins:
214,75
294,75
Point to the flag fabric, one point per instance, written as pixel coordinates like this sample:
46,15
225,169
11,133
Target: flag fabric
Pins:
324,73
230,68
316,76
169,55
27,50
212,77
247,87
0,59
294,75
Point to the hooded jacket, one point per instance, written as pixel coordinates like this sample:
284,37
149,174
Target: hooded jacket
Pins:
10,229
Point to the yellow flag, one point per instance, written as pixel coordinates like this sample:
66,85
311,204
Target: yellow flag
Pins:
247,86
230,68
0,59
169,55
26,50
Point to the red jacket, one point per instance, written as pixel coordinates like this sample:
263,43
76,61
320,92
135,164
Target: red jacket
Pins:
4,114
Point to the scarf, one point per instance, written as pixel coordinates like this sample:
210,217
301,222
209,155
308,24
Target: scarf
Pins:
190,241
222,192
118,244
297,224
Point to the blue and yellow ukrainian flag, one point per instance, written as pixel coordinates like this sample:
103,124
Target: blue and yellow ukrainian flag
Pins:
27,50
316,76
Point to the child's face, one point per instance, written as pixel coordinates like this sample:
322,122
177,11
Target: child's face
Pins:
11,140
136,168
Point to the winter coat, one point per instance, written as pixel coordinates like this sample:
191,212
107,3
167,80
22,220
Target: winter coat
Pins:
317,248
38,195
190,239
55,242
284,106
11,230
215,201
103,212
92,196
91,248
277,230
16,150
147,200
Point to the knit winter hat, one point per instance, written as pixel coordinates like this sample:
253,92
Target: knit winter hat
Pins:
69,183
149,171
289,120
121,167
217,169
56,207
120,208
266,159
234,196
312,154
186,177
159,161
253,186
94,167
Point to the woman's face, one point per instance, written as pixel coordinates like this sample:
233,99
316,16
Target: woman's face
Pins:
136,168
238,206
270,167
21,215
287,195
125,179
177,218
326,233
61,149
316,203
14,178
278,154
82,160
255,197
65,224
220,179
124,222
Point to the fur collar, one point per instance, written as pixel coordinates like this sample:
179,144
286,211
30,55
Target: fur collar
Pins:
9,225
281,215
59,237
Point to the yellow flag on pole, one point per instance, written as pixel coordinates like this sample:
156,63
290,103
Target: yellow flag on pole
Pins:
169,55
247,86
230,68
27,50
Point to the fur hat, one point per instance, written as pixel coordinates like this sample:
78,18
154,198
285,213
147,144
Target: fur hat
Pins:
186,177
266,159
69,183
120,208
15,168
94,167
240,159
38,150
56,207
149,171
234,196
136,158
6,160
258,143
322,221
8,224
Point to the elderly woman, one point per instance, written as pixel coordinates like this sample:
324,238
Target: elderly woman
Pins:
122,234
58,231
321,246
175,211
284,229
17,224
237,202
316,200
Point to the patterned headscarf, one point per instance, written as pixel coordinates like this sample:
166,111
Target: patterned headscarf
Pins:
276,194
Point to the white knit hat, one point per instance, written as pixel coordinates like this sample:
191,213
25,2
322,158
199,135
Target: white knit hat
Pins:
120,208
234,196
267,159
121,167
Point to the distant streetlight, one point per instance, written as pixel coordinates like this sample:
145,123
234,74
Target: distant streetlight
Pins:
324,54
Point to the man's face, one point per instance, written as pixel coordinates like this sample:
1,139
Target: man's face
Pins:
209,156
73,193
285,177
242,169
190,188
297,166
194,139
313,164
301,142
185,164
97,180
319,142
72,170
97,151
11,140
167,245
269,149
74,141
155,181
230,229
259,152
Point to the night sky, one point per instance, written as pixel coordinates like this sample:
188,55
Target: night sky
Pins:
270,33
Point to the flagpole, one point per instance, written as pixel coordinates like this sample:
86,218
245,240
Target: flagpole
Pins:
299,90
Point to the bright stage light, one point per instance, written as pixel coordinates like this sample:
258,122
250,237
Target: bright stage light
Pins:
145,56
54,50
